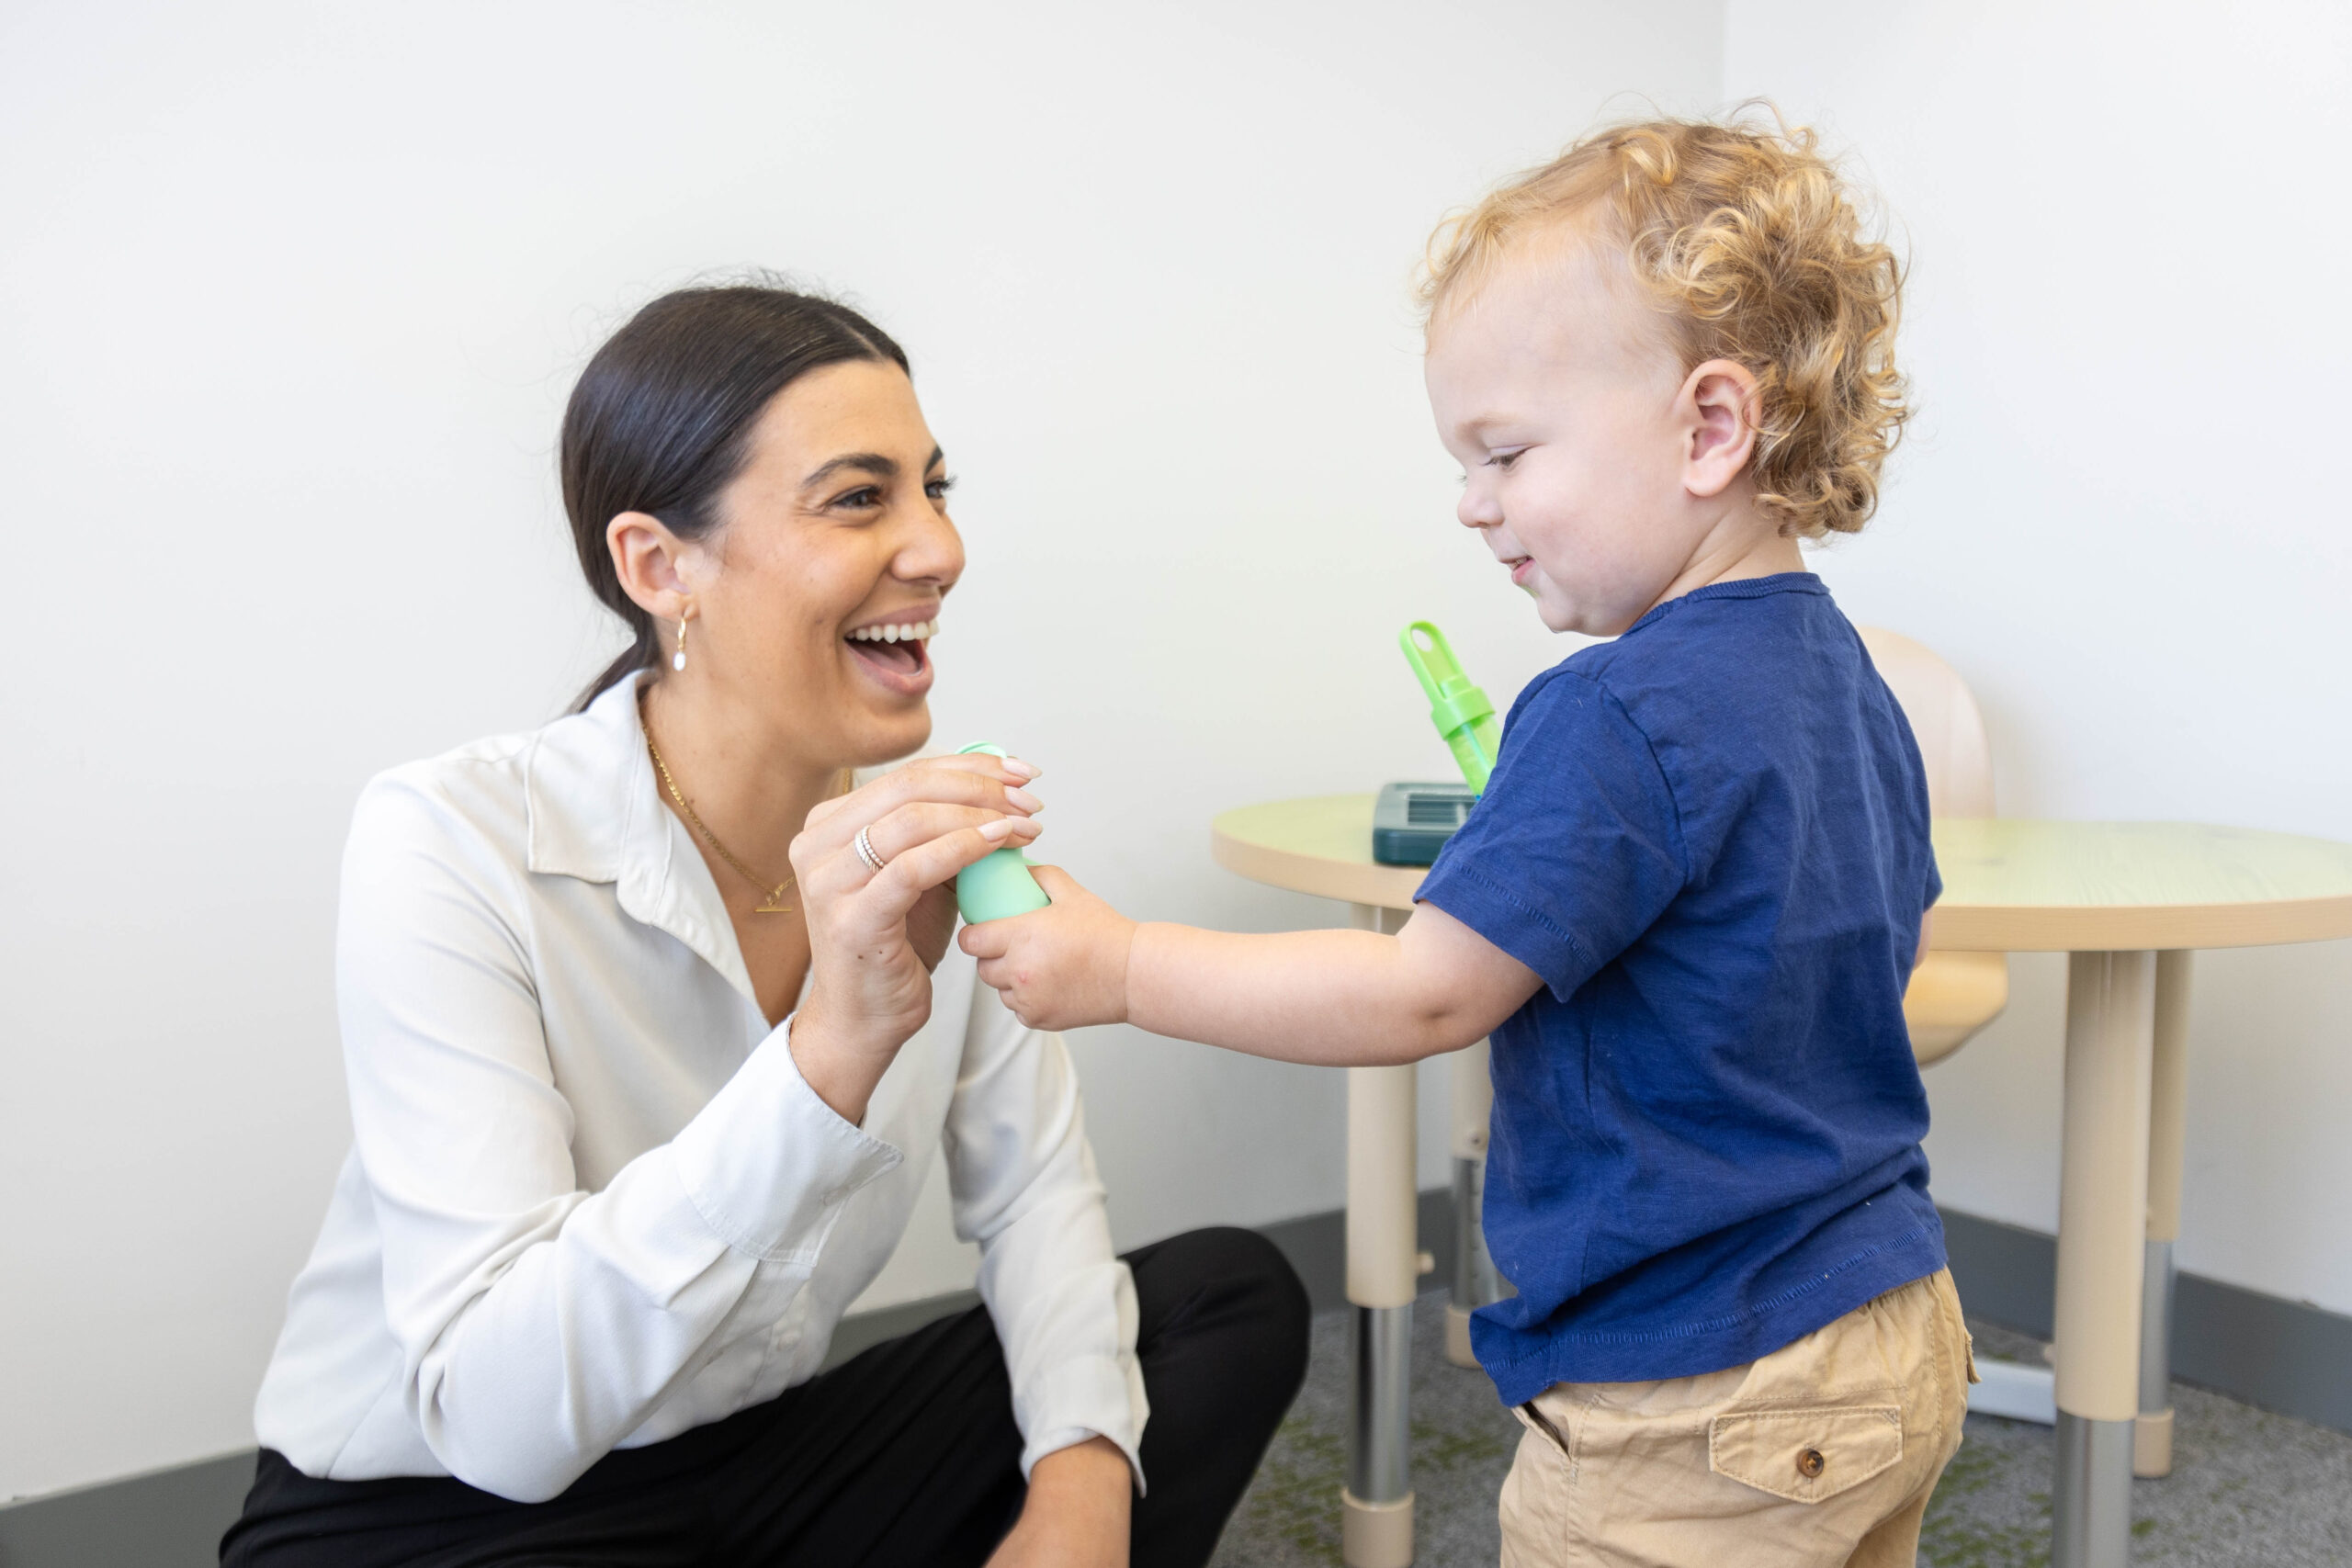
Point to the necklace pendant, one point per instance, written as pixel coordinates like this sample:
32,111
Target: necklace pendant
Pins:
773,904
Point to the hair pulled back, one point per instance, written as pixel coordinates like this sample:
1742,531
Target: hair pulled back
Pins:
661,420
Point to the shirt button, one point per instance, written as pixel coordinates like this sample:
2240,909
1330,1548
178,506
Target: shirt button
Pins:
1810,1464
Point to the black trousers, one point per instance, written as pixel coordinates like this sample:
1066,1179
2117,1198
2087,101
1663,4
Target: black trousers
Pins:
905,1454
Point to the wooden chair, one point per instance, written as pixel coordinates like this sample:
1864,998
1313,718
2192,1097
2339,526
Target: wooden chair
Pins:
1952,995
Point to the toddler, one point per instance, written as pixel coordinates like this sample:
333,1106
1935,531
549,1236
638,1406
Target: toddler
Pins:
1688,905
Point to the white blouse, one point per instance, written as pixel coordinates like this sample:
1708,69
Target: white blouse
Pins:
590,1203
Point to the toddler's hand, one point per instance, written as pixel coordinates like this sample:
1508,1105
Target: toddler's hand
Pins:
1061,967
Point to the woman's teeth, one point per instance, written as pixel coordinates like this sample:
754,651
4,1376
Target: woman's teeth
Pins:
919,631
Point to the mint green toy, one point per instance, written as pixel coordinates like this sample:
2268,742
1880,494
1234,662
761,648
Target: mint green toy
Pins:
997,886
1460,710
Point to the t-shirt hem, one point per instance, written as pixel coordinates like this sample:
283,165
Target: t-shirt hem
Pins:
1535,939
1650,1355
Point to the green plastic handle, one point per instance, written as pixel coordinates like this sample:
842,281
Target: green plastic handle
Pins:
998,885
1460,710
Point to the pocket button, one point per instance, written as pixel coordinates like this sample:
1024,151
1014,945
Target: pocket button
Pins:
1786,1452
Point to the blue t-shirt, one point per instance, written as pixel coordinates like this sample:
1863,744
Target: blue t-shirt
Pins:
1710,839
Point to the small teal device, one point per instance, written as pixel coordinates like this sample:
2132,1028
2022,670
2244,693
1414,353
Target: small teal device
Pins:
1410,822
998,885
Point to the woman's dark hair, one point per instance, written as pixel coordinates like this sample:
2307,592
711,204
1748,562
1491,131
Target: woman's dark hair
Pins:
662,420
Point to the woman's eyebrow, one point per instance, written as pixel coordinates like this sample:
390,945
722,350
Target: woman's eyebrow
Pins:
873,462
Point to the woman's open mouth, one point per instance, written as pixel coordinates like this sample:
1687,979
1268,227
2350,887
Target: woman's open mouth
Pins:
894,654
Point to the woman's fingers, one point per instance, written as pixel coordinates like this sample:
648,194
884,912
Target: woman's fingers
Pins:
978,779
903,829
846,873
833,826
928,864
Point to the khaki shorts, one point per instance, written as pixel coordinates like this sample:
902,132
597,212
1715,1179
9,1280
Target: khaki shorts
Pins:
1823,1453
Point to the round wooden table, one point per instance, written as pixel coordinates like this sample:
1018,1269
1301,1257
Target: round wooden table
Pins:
2127,900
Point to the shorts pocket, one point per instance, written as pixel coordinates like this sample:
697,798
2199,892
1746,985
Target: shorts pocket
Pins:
1535,1421
1805,1456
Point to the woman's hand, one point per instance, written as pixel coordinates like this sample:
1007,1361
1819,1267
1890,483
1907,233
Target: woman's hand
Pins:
1077,1515
1059,967
874,936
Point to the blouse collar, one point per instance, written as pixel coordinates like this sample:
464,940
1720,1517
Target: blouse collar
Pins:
596,814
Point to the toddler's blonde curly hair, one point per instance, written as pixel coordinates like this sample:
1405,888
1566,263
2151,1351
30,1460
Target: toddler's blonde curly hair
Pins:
1754,251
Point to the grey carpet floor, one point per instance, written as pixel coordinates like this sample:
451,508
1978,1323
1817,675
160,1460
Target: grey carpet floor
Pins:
2248,1487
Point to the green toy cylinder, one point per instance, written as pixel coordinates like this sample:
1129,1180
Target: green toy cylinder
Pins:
998,885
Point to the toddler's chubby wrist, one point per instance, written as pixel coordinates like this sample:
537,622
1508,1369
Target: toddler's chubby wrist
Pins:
1143,981
1120,969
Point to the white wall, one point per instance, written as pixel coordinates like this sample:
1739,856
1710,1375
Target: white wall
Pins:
290,299
2122,512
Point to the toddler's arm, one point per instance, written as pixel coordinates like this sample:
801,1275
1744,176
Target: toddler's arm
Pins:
1328,998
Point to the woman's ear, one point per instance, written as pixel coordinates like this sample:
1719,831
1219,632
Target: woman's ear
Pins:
1719,410
651,563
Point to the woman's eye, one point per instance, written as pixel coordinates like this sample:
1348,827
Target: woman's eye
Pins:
864,498
937,488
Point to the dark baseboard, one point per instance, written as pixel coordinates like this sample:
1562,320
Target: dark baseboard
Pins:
2289,1357
166,1518
868,1329
1315,1244
2007,1274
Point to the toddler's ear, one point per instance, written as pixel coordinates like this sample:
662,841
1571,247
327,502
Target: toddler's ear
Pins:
1719,410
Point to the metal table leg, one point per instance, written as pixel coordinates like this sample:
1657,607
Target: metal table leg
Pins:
1475,1284
2102,1222
2168,1129
1376,1505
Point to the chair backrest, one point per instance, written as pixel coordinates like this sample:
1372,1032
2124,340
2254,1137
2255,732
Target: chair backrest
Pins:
1945,719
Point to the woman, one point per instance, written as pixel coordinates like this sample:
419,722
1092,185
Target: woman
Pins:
637,1114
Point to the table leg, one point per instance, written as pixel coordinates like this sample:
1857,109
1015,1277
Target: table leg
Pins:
1475,1284
2167,1128
1376,1505
2102,1224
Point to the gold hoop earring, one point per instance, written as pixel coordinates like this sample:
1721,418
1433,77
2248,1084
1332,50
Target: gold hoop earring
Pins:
678,660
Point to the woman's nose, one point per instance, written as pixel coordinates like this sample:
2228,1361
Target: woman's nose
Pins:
929,550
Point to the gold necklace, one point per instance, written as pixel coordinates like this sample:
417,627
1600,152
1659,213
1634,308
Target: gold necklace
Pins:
774,903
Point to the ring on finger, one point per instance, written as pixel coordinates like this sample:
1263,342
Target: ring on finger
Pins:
866,852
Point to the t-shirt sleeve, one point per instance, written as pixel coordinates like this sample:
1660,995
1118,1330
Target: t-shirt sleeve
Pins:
1576,848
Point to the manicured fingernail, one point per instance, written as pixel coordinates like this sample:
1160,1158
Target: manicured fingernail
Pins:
1024,772
996,829
1023,800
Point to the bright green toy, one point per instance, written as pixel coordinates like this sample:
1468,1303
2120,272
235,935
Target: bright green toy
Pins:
1460,710
997,886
